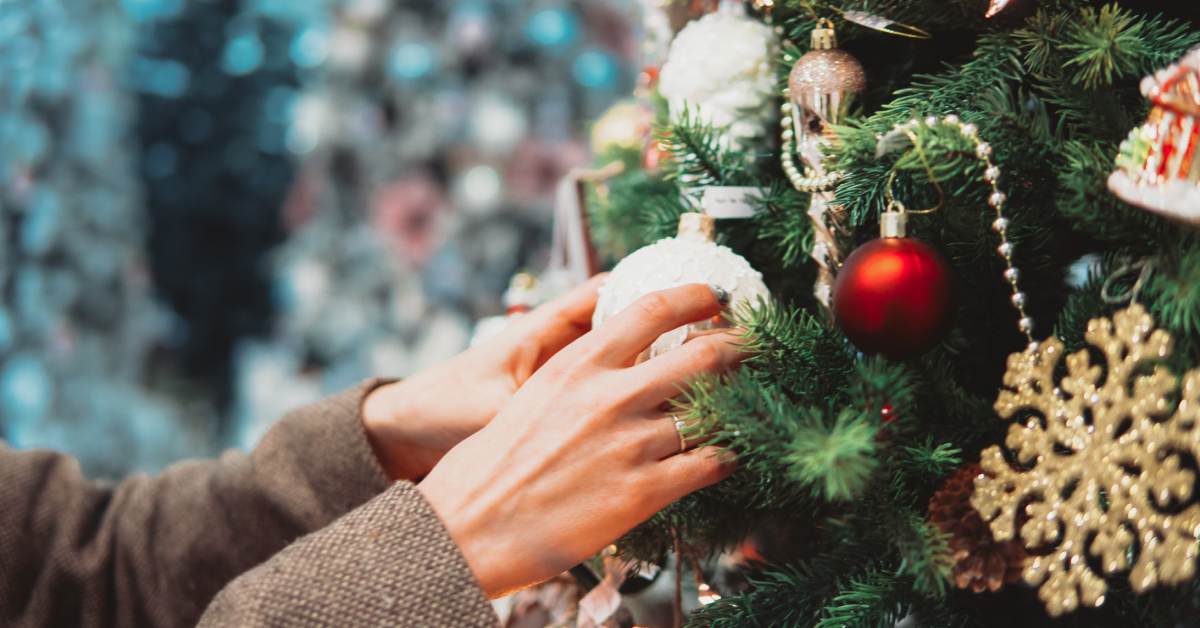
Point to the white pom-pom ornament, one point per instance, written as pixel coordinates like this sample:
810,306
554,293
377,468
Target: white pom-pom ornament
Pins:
690,257
722,66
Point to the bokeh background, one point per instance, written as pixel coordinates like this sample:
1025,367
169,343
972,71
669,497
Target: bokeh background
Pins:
212,211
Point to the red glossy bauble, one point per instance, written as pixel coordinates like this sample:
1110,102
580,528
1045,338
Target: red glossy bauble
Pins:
893,297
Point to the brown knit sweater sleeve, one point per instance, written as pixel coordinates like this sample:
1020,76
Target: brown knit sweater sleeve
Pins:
154,551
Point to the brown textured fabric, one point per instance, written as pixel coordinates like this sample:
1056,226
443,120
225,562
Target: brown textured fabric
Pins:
154,551
388,563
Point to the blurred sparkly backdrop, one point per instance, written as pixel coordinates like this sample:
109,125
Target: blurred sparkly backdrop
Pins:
215,210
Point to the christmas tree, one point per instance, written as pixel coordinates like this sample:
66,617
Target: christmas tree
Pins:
895,463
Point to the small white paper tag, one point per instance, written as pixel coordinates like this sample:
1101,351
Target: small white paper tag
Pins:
730,201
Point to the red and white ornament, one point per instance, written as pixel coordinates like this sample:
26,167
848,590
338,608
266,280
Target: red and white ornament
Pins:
1158,167
523,295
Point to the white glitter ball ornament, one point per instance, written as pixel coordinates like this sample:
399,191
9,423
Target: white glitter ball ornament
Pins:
690,257
722,67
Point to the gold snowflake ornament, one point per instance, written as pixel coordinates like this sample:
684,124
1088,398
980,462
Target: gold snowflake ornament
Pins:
1107,464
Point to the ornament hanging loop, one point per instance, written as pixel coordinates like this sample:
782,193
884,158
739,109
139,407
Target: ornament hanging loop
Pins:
893,222
889,194
1143,268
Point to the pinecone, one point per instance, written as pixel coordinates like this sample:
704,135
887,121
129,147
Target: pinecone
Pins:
980,562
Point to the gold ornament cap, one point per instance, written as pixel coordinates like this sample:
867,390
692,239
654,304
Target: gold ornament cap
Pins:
823,36
522,281
697,225
521,294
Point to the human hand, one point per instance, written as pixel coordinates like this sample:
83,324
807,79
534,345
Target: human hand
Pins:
583,452
412,423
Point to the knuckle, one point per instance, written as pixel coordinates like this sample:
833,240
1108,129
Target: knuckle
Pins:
558,317
591,354
557,366
629,449
625,394
640,496
654,307
712,465
708,354
554,371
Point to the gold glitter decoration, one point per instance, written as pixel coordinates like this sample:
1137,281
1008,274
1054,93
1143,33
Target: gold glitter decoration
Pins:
1107,458
821,86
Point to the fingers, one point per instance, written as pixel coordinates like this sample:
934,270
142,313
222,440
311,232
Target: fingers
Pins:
661,438
664,376
563,320
688,472
621,338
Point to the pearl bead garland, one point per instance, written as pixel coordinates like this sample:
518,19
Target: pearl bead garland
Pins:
803,181
996,200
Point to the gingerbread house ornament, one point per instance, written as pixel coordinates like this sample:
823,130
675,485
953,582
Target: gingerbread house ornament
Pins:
1158,167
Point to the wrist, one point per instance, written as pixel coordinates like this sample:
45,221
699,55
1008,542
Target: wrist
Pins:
387,418
473,526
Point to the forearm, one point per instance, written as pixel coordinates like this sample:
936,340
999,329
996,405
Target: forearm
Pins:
154,551
389,562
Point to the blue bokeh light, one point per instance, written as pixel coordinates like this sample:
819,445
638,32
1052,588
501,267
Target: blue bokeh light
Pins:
410,61
552,28
6,330
161,77
150,10
25,139
280,103
309,48
41,225
243,54
25,392
596,69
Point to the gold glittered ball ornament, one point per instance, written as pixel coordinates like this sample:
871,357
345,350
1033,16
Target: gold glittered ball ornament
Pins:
1107,456
692,256
822,85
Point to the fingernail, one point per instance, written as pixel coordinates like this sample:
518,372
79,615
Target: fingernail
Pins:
721,294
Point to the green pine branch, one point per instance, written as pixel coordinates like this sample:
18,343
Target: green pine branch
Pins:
698,157
833,455
869,600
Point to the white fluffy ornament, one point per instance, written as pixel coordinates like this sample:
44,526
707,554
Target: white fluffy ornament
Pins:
722,67
690,257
